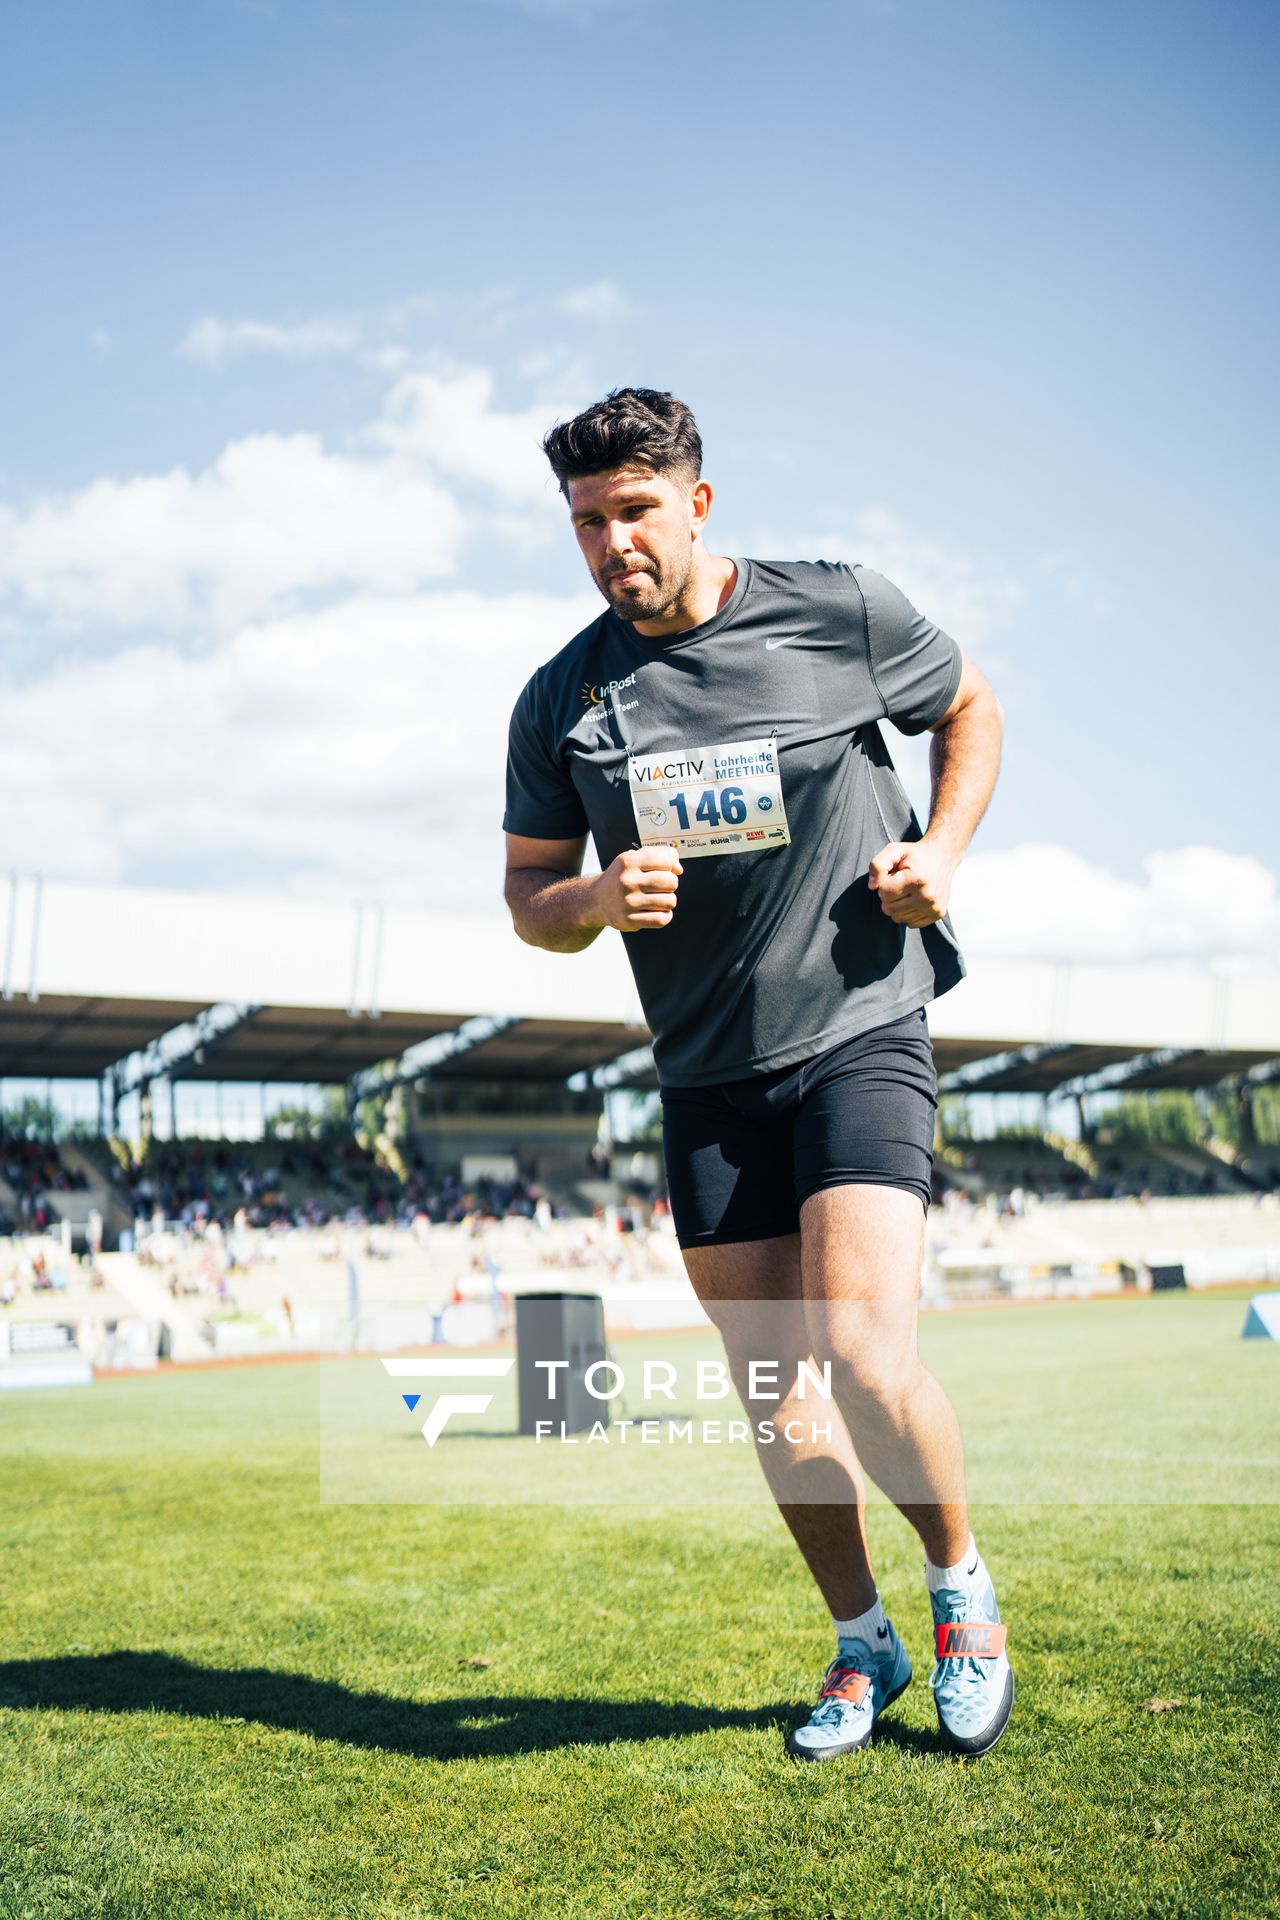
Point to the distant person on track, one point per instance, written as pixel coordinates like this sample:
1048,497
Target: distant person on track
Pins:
716,731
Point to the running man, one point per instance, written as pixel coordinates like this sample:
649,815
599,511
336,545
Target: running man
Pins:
717,733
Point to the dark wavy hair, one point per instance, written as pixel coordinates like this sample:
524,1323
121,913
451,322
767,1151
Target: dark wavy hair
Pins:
632,426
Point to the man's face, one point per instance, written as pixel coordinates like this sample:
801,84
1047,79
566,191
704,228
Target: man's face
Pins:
636,530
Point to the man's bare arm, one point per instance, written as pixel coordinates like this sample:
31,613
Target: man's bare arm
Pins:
555,905
964,760
914,878
549,897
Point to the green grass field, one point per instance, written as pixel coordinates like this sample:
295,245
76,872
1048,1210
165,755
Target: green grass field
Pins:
220,1696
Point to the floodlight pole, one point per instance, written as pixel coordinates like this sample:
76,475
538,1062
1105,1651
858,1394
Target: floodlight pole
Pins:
1204,1115
1244,1108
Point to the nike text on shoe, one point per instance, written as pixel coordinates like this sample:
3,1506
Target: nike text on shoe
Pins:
856,1688
973,1681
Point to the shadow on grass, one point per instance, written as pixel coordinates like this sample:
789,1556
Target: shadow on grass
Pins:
471,1727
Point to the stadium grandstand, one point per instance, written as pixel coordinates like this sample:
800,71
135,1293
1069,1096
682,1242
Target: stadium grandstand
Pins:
474,1116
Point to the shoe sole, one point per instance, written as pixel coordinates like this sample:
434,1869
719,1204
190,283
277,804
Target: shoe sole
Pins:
980,1743
852,1746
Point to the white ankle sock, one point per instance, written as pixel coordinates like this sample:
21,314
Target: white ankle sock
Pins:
864,1626
969,1571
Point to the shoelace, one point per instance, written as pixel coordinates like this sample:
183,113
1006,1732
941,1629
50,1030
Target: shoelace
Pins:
830,1712
968,1671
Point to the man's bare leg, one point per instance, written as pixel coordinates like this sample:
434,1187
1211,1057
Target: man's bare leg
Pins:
818,1486
861,1251
861,1247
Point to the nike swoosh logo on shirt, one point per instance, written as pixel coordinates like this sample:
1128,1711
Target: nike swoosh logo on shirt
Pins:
785,641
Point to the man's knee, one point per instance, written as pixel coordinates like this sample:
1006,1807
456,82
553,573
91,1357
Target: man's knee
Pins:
761,1333
770,1377
884,1379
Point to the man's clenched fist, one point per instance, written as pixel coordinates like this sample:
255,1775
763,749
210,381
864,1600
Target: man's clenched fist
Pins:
913,879
637,891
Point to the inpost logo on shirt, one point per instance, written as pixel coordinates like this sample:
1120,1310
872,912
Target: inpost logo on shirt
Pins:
594,696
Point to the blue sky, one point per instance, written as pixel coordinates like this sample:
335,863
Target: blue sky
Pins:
976,293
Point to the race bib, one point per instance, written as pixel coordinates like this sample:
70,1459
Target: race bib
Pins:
704,800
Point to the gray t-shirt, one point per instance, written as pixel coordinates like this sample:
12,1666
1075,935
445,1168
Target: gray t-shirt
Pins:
775,955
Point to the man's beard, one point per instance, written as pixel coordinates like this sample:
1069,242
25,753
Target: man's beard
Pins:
656,600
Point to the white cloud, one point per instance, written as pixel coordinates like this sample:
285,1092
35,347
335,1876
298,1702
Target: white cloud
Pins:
274,517
357,750
277,518
386,337
1044,902
212,341
599,300
450,422
382,337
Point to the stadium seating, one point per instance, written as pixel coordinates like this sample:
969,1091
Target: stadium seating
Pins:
1104,1169
300,1183
31,1173
1025,1162
1163,1170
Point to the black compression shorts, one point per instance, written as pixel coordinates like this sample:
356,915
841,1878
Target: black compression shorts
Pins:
744,1156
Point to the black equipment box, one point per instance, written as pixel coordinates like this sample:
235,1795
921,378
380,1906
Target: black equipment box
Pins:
566,1327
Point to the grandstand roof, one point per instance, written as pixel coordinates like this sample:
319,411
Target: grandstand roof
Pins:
541,1050
327,1044
1198,1067
71,1036
312,1043
316,993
